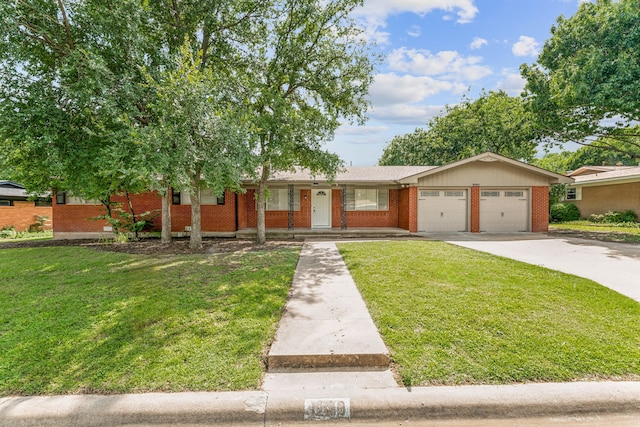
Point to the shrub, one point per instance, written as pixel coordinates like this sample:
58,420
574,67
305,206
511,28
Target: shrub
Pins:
614,217
563,212
8,232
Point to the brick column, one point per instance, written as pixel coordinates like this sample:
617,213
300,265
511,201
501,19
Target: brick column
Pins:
413,209
475,209
539,209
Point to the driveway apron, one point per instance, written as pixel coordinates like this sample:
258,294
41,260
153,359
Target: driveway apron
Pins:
614,265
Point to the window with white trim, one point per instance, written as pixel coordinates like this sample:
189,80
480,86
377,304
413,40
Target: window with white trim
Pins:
4,202
73,200
514,194
573,194
207,197
367,199
278,200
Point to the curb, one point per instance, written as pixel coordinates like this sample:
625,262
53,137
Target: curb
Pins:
299,406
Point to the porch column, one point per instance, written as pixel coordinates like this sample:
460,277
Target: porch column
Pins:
291,218
343,207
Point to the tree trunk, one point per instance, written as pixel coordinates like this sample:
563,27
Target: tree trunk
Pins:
136,234
195,241
166,216
261,237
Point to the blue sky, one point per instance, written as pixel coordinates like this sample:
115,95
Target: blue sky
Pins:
436,51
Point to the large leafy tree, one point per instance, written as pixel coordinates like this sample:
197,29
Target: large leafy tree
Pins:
586,82
75,93
494,122
310,70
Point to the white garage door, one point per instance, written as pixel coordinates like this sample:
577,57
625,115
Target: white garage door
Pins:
504,210
442,210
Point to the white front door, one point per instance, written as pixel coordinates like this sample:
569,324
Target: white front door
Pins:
321,208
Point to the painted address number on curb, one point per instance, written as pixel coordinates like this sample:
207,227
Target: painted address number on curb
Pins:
327,409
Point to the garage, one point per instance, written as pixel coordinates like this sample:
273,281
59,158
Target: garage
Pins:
504,210
442,210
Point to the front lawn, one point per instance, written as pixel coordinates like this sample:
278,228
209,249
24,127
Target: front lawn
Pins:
451,315
613,232
78,320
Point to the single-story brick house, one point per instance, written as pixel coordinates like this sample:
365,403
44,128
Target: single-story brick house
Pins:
599,189
17,211
487,192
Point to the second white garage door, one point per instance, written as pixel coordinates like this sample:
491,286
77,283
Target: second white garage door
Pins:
504,210
442,210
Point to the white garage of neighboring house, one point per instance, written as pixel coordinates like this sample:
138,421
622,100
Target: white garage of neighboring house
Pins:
484,193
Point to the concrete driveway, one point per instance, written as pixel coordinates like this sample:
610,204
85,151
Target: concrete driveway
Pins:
615,265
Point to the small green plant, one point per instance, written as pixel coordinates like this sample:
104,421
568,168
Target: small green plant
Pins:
8,232
615,217
563,212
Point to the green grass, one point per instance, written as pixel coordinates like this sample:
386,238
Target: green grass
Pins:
76,320
610,232
28,236
451,315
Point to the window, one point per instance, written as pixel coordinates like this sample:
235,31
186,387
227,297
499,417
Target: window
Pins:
61,198
4,202
278,200
175,198
368,199
573,194
72,200
454,194
514,194
429,193
490,194
43,202
207,197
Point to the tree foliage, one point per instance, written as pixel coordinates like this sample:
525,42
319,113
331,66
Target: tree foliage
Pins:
586,82
310,70
494,122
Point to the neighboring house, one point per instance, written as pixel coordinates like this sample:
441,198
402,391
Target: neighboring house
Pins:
599,189
19,212
487,192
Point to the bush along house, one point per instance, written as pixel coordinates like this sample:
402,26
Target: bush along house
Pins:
484,193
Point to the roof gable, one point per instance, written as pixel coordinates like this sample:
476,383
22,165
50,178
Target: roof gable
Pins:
492,157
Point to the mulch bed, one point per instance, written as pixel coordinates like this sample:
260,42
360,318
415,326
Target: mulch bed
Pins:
154,247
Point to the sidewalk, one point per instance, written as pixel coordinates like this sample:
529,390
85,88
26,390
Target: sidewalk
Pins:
328,363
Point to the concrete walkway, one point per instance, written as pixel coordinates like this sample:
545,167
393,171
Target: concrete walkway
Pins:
614,265
326,337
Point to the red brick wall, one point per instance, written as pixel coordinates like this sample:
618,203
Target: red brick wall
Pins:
388,218
403,208
214,218
539,209
276,219
22,214
475,209
78,218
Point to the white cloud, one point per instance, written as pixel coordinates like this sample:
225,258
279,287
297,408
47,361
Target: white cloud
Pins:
414,31
464,9
478,42
412,115
526,46
447,64
392,89
512,83
372,16
348,129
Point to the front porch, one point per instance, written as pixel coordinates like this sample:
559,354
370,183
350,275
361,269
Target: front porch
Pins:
321,233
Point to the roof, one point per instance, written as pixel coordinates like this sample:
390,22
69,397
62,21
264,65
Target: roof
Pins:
12,190
492,157
588,170
620,174
404,174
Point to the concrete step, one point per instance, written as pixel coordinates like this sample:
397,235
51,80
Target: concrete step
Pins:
329,379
